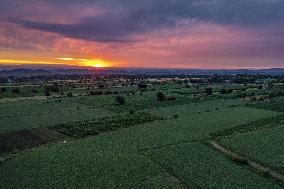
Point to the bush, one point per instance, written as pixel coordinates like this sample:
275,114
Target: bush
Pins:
69,94
47,93
209,91
131,112
53,88
34,91
260,86
230,90
171,98
142,85
108,92
16,90
96,93
161,96
101,85
3,89
223,91
120,100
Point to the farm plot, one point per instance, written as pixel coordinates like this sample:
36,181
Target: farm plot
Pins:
276,104
45,113
63,167
264,146
115,159
134,102
199,166
26,107
194,108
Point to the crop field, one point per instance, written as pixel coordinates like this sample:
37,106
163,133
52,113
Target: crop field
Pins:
45,113
276,104
265,146
197,165
144,142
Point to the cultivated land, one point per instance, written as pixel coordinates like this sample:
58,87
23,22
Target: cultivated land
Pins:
89,140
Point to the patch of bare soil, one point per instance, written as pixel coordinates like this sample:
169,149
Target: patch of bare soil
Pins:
28,138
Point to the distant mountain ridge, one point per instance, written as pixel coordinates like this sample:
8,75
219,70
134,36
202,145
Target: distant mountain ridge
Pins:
133,71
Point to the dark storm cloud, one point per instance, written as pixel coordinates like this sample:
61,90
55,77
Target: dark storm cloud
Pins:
124,19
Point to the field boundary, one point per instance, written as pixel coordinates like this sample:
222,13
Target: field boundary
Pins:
166,169
241,159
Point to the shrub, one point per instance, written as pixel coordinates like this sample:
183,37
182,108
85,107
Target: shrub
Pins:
142,85
3,89
171,98
120,100
34,91
101,85
96,93
131,112
230,90
260,86
16,90
161,96
209,91
52,88
223,91
108,92
47,93
69,94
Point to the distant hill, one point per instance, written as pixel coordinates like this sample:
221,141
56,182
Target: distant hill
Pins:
133,71
23,72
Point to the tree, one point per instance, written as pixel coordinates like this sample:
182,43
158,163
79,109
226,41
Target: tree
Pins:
209,91
16,90
223,91
171,98
69,94
34,91
142,85
101,85
161,96
120,100
3,89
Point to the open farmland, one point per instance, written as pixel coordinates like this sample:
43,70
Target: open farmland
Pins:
264,146
144,142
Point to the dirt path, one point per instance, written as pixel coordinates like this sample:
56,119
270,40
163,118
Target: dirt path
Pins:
258,167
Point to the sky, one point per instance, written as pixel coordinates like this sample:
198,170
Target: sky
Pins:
225,34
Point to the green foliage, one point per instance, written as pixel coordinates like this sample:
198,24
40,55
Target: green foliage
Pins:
69,94
16,90
275,104
200,166
120,100
209,91
264,146
161,96
94,127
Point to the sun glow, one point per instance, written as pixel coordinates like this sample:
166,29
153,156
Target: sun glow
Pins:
97,63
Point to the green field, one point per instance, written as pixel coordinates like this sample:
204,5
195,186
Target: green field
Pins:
144,143
199,166
265,146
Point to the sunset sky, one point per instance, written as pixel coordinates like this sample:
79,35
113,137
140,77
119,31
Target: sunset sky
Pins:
146,33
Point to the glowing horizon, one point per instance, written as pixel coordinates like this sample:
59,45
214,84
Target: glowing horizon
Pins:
230,35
